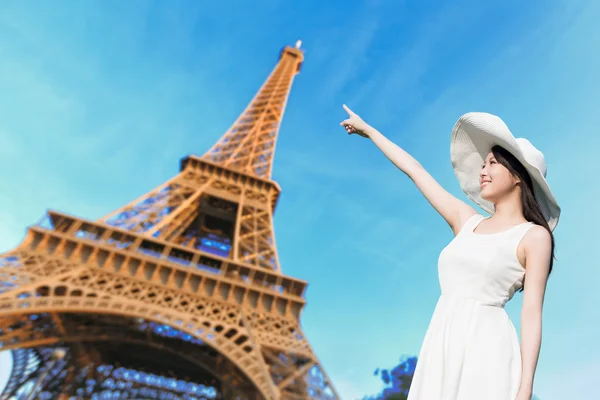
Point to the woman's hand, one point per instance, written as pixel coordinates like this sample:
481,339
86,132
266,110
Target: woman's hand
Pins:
355,124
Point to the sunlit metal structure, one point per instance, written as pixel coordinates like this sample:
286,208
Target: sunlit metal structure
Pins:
177,295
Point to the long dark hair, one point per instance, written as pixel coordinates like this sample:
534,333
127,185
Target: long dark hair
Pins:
531,209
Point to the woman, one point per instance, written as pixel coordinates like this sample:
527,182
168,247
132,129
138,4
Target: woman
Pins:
471,349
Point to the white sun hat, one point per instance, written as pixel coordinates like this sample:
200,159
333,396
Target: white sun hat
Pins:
473,137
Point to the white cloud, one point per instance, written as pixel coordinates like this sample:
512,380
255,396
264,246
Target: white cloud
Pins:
5,368
571,381
349,390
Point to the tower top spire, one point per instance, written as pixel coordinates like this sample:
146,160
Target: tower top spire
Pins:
248,146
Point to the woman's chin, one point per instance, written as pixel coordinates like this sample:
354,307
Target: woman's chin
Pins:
486,195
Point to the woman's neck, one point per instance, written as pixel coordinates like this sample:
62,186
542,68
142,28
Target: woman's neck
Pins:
509,209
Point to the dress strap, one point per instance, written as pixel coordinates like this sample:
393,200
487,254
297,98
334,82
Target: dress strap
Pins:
519,232
471,223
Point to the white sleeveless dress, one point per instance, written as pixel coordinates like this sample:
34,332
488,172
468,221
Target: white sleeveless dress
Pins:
471,349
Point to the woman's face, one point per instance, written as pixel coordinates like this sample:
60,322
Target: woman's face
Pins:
495,180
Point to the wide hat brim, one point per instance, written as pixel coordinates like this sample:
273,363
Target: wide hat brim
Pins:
473,137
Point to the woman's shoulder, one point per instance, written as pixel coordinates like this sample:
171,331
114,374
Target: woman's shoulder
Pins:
537,236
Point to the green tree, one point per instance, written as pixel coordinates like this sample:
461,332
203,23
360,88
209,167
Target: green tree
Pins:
396,380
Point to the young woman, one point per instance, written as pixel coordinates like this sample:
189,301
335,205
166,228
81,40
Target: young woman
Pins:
471,350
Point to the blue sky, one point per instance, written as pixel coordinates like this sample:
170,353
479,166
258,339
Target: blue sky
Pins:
99,100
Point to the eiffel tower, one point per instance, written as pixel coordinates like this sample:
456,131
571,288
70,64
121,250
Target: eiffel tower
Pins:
177,295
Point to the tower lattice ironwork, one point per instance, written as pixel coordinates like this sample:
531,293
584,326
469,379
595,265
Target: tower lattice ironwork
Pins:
177,295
